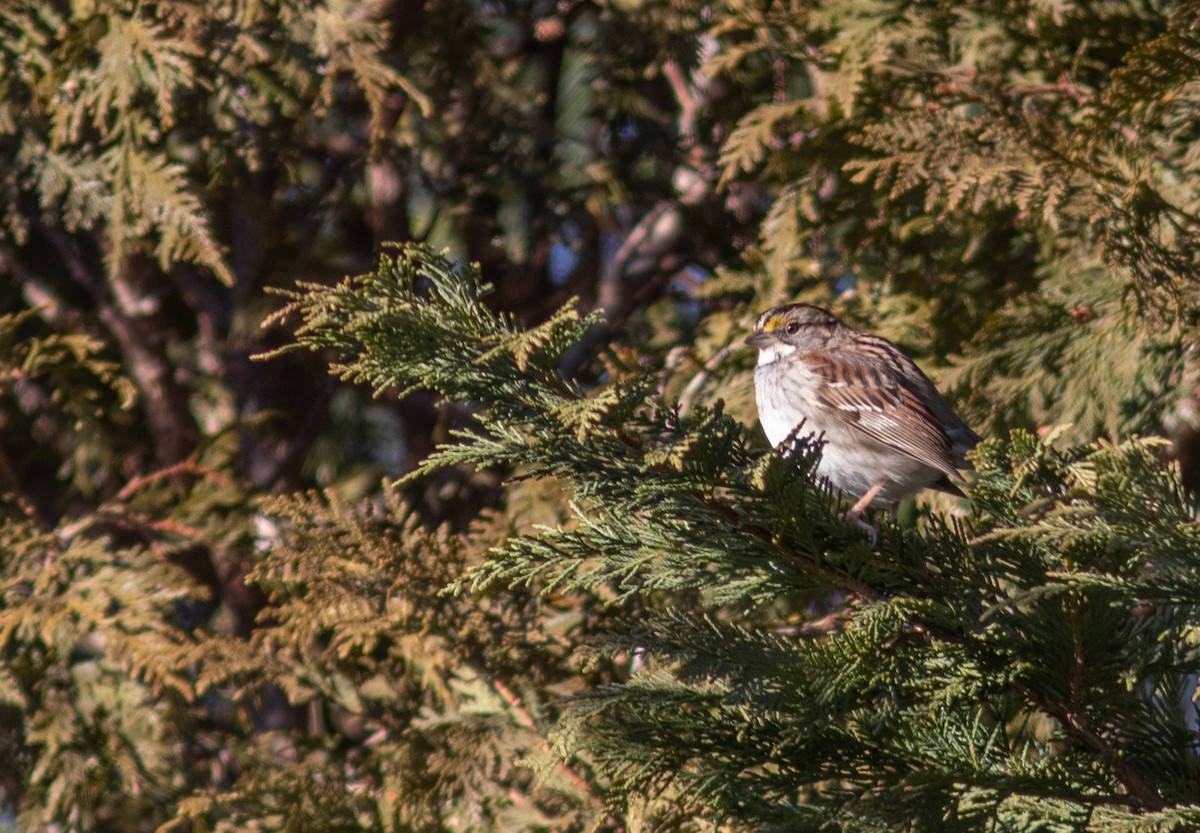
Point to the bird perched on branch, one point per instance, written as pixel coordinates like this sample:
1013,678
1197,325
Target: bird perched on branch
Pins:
887,432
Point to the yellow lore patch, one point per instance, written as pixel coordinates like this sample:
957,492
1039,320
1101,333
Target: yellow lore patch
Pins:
773,323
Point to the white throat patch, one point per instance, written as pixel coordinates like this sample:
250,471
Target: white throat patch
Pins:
774,352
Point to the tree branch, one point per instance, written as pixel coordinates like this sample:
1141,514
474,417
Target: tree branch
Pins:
142,340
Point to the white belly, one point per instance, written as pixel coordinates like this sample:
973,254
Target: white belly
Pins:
851,460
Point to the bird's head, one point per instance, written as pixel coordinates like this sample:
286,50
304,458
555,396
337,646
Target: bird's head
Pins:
783,330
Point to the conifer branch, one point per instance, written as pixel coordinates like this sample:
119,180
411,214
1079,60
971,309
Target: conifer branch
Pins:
837,580
1076,726
730,514
598,442
1007,191
526,719
164,404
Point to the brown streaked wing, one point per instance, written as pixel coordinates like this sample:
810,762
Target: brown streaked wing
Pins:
883,404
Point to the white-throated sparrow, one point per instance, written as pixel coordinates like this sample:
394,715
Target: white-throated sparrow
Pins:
888,433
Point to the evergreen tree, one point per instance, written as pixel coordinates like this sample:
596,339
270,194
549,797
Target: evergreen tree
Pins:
597,600
1029,668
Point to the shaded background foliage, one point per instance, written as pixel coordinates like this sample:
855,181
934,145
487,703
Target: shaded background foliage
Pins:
1007,190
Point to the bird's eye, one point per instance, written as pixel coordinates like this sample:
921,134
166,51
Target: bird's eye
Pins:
792,328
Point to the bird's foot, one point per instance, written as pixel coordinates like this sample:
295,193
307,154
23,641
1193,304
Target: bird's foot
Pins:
855,517
856,511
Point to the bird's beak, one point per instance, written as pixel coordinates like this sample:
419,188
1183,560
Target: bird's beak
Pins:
759,339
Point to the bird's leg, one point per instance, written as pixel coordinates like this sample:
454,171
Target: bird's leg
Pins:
860,506
863,502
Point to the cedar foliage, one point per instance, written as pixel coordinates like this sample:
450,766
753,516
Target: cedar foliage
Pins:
596,601
1026,669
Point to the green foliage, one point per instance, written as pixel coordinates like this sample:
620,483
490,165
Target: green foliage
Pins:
121,713
385,311
112,693
593,600
1022,670
1045,357
111,87
356,634
1004,174
67,393
95,673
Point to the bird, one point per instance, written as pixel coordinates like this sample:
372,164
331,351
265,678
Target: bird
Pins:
886,430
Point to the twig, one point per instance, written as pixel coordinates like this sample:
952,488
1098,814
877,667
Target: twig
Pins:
164,403
186,467
526,719
697,381
808,563
1071,717
1078,728
13,484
